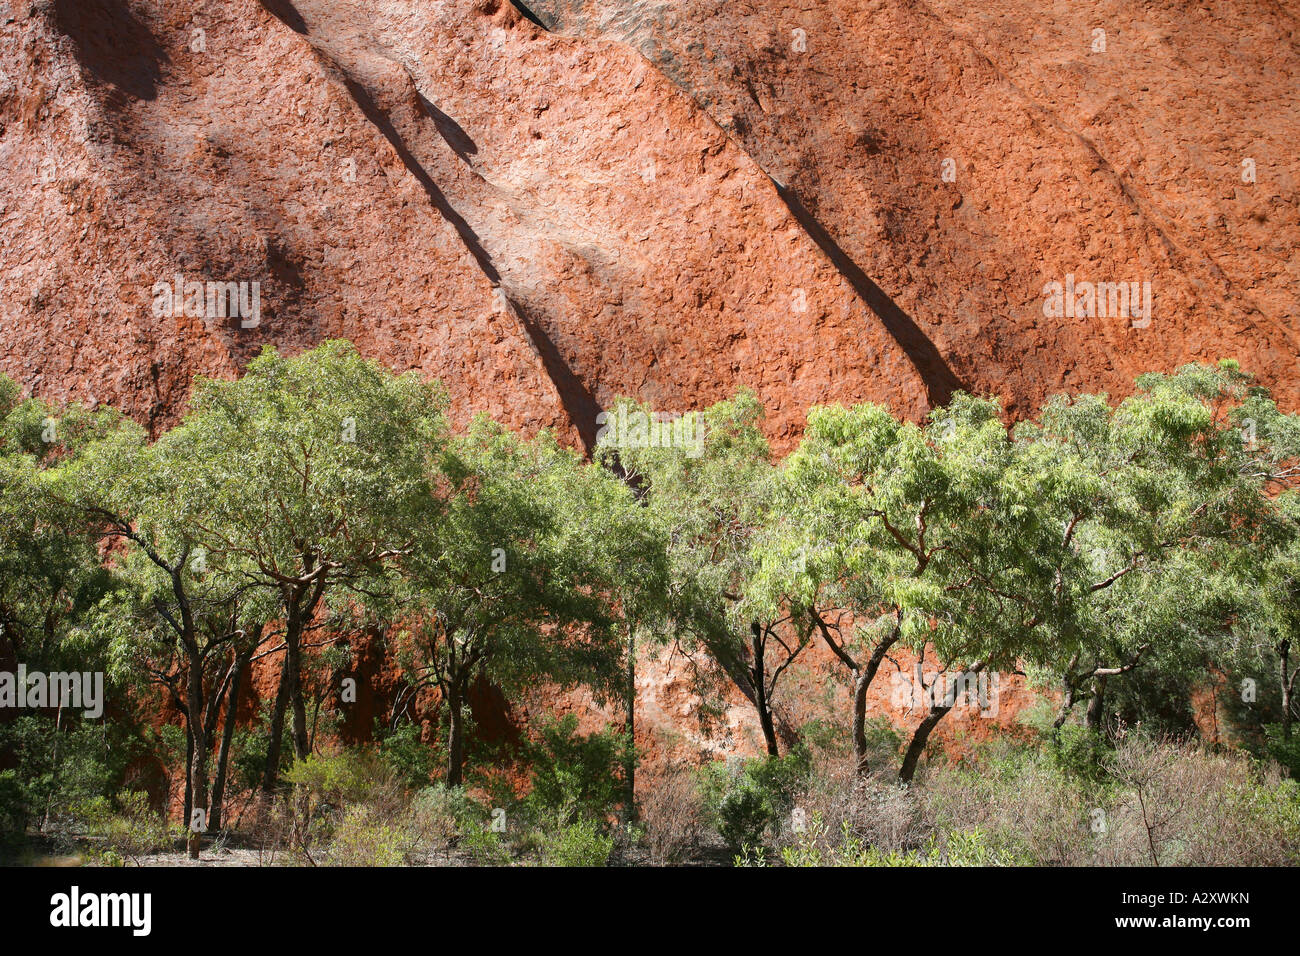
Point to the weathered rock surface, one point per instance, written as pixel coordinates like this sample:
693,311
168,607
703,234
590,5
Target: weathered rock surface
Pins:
1113,155
825,200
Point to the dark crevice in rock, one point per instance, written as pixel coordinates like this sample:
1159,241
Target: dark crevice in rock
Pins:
940,380
580,405
528,14
381,122
284,11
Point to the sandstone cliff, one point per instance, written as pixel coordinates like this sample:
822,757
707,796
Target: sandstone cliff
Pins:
547,206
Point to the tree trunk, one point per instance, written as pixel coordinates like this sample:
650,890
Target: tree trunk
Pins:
759,679
227,735
629,760
1067,696
198,756
189,769
860,687
455,738
54,767
768,727
1096,704
293,658
271,775
1284,653
741,675
916,746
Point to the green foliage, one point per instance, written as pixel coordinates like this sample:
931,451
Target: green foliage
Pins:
1137,551
813,848
711,500
577,844
404,752
743,814
446,812
363,838
123,829
780,779
535,562
1285,751
575,777
15,806
486,847
743,803
348,776
1080,752
58,770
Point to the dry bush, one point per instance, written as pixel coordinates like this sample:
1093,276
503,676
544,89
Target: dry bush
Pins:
1160,802
673,818
1024,806
875,810
270,831
1177,804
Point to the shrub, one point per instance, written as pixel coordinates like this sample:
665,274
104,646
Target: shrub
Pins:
577,844
362,838
779,779
14,811
957,848
575,777
128,831
409,758
326,786
486,847
875,809
743,815
742,804
1080,751
58,770
671,813
1285,752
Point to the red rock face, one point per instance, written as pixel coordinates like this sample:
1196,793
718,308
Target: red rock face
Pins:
1108,140
832,201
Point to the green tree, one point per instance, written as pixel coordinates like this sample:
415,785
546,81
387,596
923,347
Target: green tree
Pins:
51,578
300,479
710,491
1145,508
892,533
519,579
50,572
1268,629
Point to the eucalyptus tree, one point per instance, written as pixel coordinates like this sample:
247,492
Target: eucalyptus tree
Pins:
51,575
299,480
633,557
893,533
309,473
708,479
192,630
520,579
1270,576
1275,615
1148,502
174,612
50,572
